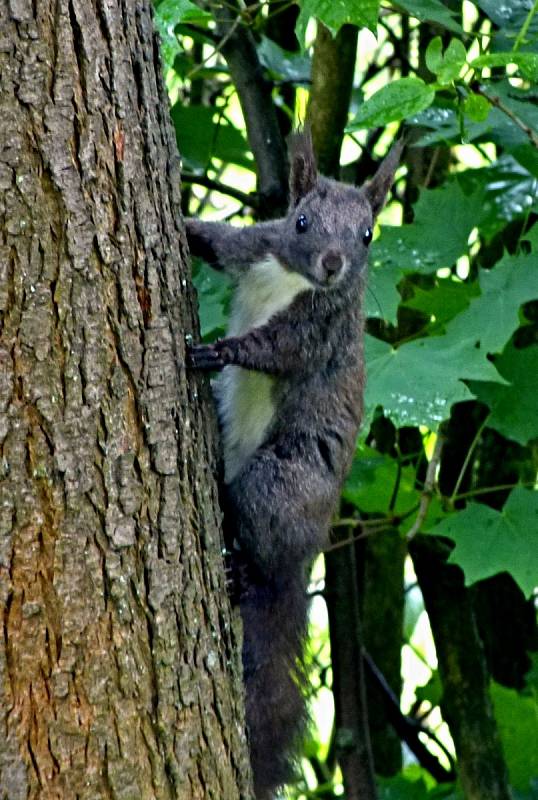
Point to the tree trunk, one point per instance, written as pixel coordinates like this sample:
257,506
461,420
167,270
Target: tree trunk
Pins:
119,675
352,734
466,703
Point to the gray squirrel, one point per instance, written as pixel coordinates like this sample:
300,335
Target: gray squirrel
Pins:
289,400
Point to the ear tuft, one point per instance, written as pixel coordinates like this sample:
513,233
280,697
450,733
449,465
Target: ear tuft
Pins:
377,189
303,171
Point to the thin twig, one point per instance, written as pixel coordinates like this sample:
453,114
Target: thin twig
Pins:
525,27
427,492
501,487
250,200
408,728
357,538
392,520
498,103
468,457
216,50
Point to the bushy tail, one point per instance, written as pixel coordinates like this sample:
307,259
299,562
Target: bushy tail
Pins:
274,613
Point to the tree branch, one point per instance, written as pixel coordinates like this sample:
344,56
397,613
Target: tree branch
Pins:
333,67
498,103
254,93
408,728
216,186
427,492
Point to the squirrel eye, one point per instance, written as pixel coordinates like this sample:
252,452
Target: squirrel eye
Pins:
367,236
302,224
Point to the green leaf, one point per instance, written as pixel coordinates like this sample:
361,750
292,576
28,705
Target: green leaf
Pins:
476,107
418,382
517,720
382,296
509,18
446,66
282,63
522,103
214,291
514,408
432,691
335,13
510,193
431,11
168,14
199,138
185,11
372,479
434,54
393,102
527,63
490,319
430,243
443,301
490,541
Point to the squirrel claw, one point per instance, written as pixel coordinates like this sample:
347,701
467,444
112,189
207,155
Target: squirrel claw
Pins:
204,356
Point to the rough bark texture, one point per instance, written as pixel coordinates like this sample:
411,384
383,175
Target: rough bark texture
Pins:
118,667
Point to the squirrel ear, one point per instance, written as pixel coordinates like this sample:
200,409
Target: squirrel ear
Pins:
303,171
377,189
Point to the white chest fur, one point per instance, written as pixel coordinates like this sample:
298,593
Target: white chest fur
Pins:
245,397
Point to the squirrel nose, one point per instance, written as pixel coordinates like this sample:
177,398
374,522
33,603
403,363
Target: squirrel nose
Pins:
332,262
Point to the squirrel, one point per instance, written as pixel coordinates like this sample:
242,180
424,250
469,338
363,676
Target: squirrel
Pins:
289,401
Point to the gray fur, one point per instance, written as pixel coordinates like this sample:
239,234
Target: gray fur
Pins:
284,475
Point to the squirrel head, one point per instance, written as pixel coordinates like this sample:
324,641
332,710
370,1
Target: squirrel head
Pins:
329,224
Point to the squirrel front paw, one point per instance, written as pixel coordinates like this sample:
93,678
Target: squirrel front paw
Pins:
205,356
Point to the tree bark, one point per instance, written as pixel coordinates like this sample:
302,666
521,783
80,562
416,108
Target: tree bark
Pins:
333,67
380,583
352,735
119,675
466,703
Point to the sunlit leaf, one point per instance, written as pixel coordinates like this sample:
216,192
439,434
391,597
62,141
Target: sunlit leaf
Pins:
431,11
526,62
393,102
476,107
447,65
335,13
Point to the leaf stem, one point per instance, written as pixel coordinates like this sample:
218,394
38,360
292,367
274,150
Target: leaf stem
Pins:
468,457
427,492
249,200
501,487
496,101
525,27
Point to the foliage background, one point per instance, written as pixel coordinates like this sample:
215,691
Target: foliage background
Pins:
448,450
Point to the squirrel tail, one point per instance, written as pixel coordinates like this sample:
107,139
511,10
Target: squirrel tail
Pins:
274,612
